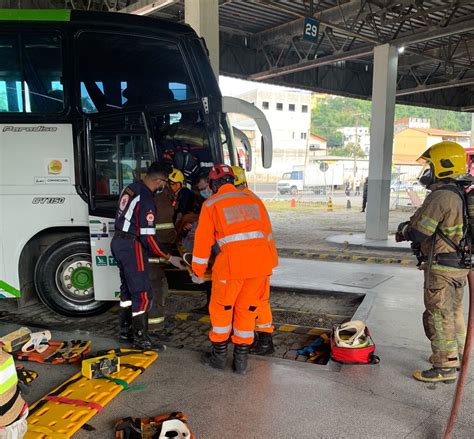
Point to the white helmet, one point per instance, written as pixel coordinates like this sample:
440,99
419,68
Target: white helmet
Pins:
351,335
174,428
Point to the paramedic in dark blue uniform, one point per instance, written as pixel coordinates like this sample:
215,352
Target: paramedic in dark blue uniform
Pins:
134,239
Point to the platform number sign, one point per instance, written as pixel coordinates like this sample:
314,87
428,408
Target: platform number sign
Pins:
311,29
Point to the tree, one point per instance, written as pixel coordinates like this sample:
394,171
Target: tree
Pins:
338,112
350,150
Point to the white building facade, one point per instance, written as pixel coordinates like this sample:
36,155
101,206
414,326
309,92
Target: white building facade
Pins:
289,114
356,135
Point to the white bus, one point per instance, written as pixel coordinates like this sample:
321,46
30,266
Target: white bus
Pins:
87,101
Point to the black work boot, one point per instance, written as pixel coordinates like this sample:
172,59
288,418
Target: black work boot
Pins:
262,344
125,322
217,356
241,353
141,339
436,375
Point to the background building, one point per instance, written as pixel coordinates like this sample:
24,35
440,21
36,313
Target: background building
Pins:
317,145
410,143
289,114
356,135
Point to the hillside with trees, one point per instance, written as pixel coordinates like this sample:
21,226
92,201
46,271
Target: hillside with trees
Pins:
337,112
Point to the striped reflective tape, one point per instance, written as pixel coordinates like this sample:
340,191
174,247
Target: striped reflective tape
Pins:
224,196
240,237
164,226
131,207
265,325
222,329
8,375
243,334
200,260
125,304
148,231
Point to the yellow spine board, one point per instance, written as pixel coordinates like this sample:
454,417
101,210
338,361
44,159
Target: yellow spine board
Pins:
58,420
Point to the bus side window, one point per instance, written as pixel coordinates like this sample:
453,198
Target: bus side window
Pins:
30,78
121,156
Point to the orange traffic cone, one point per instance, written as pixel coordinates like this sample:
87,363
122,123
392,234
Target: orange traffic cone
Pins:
293,202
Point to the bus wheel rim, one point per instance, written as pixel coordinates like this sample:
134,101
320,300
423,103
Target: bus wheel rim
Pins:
74,278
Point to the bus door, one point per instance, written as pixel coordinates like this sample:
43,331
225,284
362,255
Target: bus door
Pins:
119,151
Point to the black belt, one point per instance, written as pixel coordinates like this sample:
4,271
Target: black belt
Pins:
124,235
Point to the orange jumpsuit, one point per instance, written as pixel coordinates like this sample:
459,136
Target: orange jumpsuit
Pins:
239,225
264,321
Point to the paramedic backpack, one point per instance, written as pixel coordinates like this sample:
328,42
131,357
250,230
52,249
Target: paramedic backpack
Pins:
351,343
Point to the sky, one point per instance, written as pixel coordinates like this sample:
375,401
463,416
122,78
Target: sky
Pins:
234,87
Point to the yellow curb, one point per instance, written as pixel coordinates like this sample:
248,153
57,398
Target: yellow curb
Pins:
287,328
183,316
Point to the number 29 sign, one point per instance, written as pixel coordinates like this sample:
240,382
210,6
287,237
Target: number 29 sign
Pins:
311,29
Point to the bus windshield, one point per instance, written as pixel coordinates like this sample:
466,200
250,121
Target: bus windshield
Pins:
119,71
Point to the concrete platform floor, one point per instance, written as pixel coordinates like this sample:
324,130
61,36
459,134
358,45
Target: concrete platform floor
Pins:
359,240
284,399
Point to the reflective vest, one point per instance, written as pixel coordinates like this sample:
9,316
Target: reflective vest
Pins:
11,402
269,230
165,229
239,224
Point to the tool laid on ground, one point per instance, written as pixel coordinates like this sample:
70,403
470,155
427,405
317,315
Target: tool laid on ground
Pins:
351,343
100,367
15,340
164,426
318,348
63,411
57,352
38,342
25,376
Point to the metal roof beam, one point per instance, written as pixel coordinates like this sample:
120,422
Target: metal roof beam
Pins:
435,87
147,7
405,40
330,17
307,65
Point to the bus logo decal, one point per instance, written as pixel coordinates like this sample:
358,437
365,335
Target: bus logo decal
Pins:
37,129
48,200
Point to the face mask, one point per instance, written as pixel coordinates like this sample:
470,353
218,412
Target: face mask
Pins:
159,190
427,178
206,193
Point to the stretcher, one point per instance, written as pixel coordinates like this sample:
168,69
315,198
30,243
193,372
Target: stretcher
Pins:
63,411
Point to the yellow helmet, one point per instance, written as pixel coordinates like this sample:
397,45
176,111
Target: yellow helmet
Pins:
448,159
239,176
176,176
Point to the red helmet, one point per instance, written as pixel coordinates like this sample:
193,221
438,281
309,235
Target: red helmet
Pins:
220,171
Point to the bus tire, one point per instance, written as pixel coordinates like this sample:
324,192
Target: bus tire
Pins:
63,278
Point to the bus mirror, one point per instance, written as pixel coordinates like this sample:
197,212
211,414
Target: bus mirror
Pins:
239,106
243,148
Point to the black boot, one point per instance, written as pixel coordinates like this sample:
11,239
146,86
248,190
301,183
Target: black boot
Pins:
241,353
436,374
125,322
217,356
262,344
141,339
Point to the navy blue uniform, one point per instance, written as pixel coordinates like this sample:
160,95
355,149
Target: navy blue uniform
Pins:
133,240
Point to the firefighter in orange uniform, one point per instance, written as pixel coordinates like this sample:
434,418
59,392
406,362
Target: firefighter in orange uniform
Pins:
263,343
239,225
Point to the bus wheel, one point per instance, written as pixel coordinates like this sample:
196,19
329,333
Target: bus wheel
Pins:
63,279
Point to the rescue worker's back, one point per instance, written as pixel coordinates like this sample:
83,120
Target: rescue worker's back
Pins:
237,223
